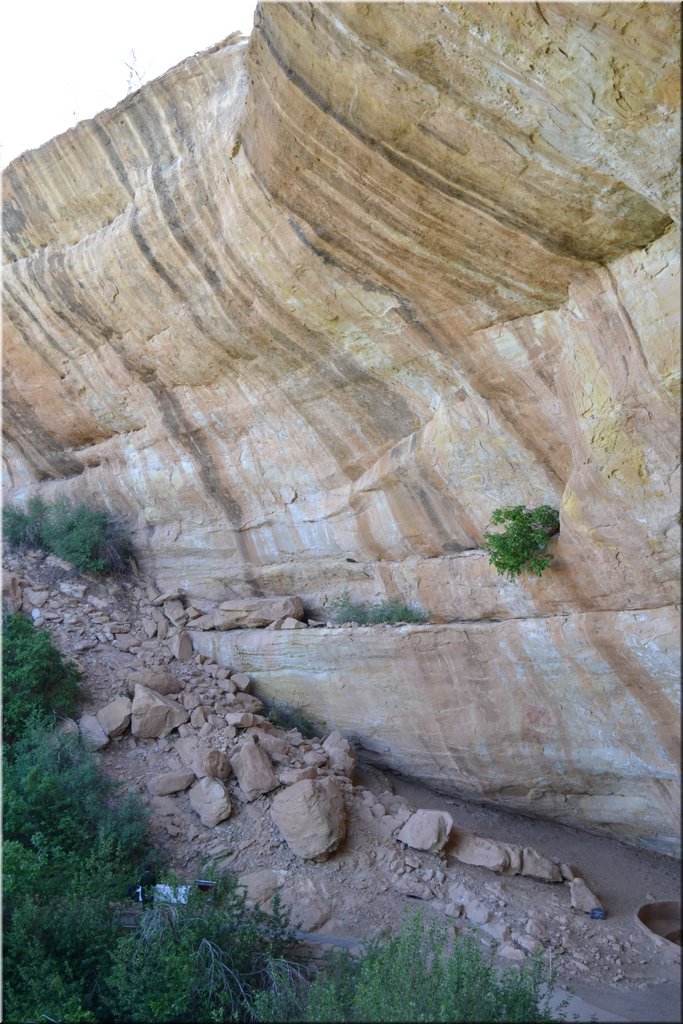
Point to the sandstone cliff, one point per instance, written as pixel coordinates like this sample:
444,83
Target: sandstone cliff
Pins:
309,306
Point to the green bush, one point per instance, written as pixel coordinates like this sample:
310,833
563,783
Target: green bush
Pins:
69,848
201,961
36,678
521,547
345,610
88,538
416,975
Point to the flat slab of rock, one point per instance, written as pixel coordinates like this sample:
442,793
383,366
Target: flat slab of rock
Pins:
256,612
211,801
426,830
154,715
311,817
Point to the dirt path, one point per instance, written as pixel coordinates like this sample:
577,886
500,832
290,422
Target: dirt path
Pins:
616,970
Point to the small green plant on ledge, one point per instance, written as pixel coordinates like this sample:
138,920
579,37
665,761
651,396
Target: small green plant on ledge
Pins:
345,610
88,538
522,546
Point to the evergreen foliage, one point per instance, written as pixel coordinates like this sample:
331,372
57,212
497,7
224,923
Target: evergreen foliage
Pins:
36,678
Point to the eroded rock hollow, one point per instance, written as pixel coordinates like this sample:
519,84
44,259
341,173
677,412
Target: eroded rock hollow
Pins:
311,305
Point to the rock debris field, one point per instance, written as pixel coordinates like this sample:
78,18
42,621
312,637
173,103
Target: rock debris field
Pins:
346,846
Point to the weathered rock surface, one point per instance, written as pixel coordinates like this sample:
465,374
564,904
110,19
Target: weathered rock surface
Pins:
311,817
356,284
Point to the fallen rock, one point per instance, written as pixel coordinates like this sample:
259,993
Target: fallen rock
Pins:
477,912
256,612
339,755
253,769
426,830
486,853
214,763
288,776
154,715
115,717
409,886
211,801
582,898
171,782
308,910
311,817
261,885
241,681
535,865
240,719
287,622
35,598
181,647
93,735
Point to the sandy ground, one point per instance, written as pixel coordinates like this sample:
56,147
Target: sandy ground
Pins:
613,969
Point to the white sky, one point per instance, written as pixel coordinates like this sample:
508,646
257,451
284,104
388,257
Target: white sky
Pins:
65,60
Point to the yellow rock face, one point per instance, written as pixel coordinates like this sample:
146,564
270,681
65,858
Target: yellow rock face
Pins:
308,307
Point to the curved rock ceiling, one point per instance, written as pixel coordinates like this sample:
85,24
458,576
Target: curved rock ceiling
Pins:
308,307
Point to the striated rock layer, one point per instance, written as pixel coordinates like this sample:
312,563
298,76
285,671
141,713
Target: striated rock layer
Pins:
308,307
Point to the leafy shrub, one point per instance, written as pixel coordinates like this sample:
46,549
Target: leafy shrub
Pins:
36,678
88,538
345,610
69,847
522,545
201,961
417,976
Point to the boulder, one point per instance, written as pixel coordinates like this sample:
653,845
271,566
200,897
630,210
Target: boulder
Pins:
211,801
171,782
485,853
157,679
35,598
535,865
256,612
477,912
93,735
212,763
311,817
241,681
115,716
582,898
181,646
154,715
253,769
339,754
261,885
426,830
